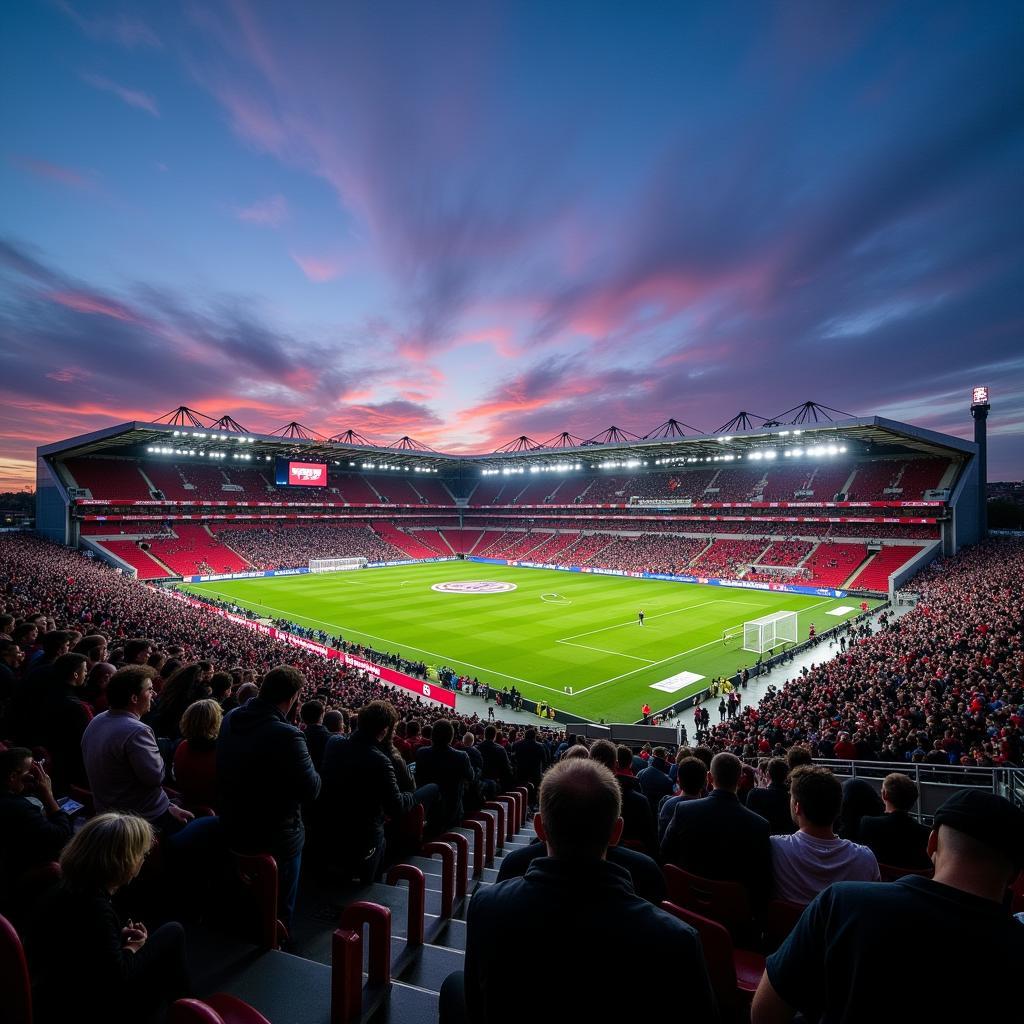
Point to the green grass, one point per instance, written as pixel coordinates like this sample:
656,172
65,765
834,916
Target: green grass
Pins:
556,629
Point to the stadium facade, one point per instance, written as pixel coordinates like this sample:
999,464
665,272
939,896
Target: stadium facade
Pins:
861,503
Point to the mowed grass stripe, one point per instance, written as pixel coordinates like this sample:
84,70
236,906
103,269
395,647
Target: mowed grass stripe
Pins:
516,637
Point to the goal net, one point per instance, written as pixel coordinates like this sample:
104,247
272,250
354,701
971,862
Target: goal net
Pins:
335,564
770,631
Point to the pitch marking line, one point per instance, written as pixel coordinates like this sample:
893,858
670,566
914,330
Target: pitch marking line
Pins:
482,668
601,650
673,611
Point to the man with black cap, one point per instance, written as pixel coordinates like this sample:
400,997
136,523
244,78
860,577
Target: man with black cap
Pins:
899,951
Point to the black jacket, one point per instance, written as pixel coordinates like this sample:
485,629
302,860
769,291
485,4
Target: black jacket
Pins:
719,838
264,775
360,789
496,763
654,782
451,770
530,758
316,739
772,803
896,840
28,837
589,907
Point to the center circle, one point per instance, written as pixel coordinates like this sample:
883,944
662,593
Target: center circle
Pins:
474,587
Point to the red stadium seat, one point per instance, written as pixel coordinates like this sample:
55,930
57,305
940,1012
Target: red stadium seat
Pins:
725,902
219,1008
15,988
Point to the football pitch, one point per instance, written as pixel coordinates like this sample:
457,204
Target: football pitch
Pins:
540,630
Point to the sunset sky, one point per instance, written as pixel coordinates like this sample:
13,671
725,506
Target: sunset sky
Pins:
466,221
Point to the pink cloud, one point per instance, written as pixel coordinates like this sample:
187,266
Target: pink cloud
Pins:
52,172
82,302
133,97
318,268
271,212
128,32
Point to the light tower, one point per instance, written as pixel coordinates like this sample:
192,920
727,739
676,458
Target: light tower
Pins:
979,410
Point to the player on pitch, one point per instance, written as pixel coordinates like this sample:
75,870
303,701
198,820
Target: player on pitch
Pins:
640,616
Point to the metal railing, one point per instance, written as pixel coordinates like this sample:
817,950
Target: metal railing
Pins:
935,782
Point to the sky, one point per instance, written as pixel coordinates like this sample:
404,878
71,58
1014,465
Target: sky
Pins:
467,221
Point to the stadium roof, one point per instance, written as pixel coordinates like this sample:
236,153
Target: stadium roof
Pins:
186,434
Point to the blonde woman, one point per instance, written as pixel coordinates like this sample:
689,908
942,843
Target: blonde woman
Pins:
85,962
195,760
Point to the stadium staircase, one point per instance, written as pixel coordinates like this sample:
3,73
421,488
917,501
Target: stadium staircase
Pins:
329,971
875,572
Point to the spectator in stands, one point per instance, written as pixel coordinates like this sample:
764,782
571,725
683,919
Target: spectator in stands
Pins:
529,758
718,838
312,715
334,723
122,759
360,789
654,781
894,837
837,964
195,758
497,767
32,832
638,821
580,804
11,659
813,857
94,693
859,800
137,651
54,716
450,769
264,775
692,776
772,801
187,685
85,963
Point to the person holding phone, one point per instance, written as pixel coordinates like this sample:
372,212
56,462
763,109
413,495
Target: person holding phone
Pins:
33,828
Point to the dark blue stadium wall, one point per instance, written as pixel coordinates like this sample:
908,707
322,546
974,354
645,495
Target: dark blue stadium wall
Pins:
51,506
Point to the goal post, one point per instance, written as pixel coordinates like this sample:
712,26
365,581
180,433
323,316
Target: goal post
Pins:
732,636
770,631
336,564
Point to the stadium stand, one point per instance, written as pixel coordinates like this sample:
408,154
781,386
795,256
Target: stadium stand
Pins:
431,492
831,565
408,543
293,546
396,490
876,571
109,478
147,567
786,552
727,556
352,487
193,551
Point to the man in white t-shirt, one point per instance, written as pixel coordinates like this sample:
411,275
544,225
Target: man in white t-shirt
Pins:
815,857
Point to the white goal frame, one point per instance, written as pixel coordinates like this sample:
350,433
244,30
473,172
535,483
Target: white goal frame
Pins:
336,564
770,631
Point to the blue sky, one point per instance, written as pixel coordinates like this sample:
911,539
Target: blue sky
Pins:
469,221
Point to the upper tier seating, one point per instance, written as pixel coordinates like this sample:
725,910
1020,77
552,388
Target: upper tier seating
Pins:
408,543
550,551
353,488
110,478
434,491
396,489
571,488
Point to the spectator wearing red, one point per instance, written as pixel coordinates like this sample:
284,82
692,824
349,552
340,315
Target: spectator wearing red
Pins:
195,758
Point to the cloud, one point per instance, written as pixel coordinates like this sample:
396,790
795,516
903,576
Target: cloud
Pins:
122,29
270,212
66,176
132,97
319,269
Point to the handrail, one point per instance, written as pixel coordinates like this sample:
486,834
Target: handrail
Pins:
499,809
346,976
447,855
417,900
490,827
511,813
378,920
462,861
477,829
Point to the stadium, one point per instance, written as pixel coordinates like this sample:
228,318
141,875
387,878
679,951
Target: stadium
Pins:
503,514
